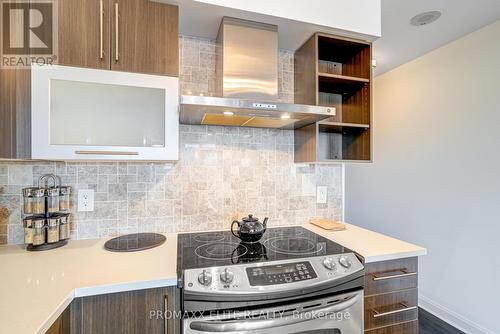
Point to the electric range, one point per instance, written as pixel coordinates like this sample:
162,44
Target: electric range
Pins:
277,285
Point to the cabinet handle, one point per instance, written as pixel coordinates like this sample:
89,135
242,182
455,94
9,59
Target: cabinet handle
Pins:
405,308
107,152
404,273
101,29
165,323
116,32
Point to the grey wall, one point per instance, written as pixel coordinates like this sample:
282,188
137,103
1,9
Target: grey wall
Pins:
436,176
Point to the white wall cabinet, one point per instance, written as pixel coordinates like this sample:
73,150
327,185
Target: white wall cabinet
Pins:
90,114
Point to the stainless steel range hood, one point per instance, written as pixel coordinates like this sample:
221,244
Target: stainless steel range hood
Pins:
247,83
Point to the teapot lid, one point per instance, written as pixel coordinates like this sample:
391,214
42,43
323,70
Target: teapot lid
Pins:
250,219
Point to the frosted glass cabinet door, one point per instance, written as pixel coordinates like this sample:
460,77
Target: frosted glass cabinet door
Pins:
89,114
106,115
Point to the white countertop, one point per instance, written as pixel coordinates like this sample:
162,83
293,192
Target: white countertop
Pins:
372,246
36,287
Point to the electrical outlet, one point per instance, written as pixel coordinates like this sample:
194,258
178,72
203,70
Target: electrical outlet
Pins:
321,194
86,200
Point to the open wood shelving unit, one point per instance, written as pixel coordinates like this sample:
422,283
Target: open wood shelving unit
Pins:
336,72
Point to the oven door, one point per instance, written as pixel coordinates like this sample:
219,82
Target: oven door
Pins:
333,314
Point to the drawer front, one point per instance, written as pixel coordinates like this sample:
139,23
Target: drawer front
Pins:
388,276
406,328
391,308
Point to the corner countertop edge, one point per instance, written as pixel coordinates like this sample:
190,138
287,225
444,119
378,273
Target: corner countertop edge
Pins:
123,287
56,314
395,256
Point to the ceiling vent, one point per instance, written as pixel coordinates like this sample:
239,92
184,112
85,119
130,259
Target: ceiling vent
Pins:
423,19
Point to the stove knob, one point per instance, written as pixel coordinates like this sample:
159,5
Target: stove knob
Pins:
226,276
205,278
329,263
345,262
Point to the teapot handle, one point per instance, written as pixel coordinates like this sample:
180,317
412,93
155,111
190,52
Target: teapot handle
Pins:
232,231
265,223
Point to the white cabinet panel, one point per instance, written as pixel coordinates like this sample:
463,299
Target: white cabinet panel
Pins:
106,115
92,114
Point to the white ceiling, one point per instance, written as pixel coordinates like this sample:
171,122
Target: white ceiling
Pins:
201,19
402,42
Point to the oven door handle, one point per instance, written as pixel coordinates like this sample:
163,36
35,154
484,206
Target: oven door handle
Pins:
218,326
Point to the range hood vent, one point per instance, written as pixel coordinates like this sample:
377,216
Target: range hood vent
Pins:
247,83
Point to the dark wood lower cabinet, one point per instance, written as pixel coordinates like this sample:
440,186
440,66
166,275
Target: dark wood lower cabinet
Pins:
391,308
391,297
150,311
63,324
404,328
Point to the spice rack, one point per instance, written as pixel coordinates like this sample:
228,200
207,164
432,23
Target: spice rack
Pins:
46,219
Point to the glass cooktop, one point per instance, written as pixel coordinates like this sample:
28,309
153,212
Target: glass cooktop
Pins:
214,249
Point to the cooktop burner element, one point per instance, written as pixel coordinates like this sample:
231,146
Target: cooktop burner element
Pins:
296,246
209,237
220,251
134,242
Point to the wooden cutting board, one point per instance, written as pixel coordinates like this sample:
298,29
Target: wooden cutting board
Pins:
330,225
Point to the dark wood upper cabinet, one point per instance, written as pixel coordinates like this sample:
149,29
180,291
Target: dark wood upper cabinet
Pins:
145,37
335,72
83,33
15,114
138,36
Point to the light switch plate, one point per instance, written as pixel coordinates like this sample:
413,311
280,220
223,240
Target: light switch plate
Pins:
321,194
86,200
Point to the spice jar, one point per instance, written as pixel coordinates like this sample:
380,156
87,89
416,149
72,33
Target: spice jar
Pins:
64,193
64,229
53,229
38,201
28,224
39,231
52,199
28,200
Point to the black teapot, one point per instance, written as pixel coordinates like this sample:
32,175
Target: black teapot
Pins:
250,229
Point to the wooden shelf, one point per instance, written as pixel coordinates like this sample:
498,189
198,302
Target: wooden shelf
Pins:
339,127
335,71
352,56
341,161
342,78
340,84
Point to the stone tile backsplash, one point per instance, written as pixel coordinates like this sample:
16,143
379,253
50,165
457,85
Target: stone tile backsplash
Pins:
222,173
197,69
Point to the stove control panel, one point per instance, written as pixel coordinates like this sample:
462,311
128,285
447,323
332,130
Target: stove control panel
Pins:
273,276
280,273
